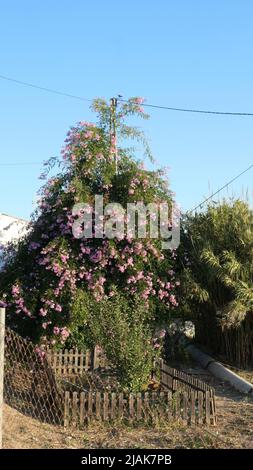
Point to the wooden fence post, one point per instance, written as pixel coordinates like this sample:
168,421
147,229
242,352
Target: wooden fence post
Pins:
2,331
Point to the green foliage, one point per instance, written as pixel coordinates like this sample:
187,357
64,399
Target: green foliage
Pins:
56,286
218,274
120,327
80,337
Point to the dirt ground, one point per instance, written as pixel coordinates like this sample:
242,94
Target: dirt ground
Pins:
234,411
234,429
23,432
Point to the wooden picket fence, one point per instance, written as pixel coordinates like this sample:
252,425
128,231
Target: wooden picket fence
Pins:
174,379
178,381
75,362
195,407
31,386
182,396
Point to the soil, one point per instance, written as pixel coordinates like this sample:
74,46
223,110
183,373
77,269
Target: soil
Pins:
234,428
234,411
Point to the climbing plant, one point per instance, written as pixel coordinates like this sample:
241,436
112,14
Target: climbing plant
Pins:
57,285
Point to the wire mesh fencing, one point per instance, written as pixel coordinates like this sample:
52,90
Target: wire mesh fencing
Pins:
29,383
71,388
32,397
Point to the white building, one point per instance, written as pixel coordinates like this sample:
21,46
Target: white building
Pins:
11,228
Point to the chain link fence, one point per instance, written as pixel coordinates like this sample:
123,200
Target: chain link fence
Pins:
55,392
29,383
33,388
31,398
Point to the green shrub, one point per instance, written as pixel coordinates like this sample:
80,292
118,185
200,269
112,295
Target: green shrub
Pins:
119,326
56,285
218,274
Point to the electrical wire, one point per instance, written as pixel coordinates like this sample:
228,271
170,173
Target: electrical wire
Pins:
49,90
220,189
188,110
21,163
147,105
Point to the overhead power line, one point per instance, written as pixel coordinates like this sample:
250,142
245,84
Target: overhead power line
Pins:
186,110
49,90
220,189
147,105
21,163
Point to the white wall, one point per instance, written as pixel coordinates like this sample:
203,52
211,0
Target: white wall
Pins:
11,228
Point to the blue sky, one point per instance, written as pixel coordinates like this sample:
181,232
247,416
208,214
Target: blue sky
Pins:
178,53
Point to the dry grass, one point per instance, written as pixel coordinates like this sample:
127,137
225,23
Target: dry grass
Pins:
234,431
24,432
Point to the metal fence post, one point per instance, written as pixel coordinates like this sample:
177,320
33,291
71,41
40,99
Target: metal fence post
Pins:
2,331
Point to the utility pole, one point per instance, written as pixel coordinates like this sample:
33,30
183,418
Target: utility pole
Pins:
113,130
2,334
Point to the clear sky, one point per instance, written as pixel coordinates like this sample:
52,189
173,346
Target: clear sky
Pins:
194,54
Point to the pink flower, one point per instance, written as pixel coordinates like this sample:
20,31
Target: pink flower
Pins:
58,308
173,300
139,275
43,312
64,333
40,352
130,261
161,294
139,100
97,256
64,257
